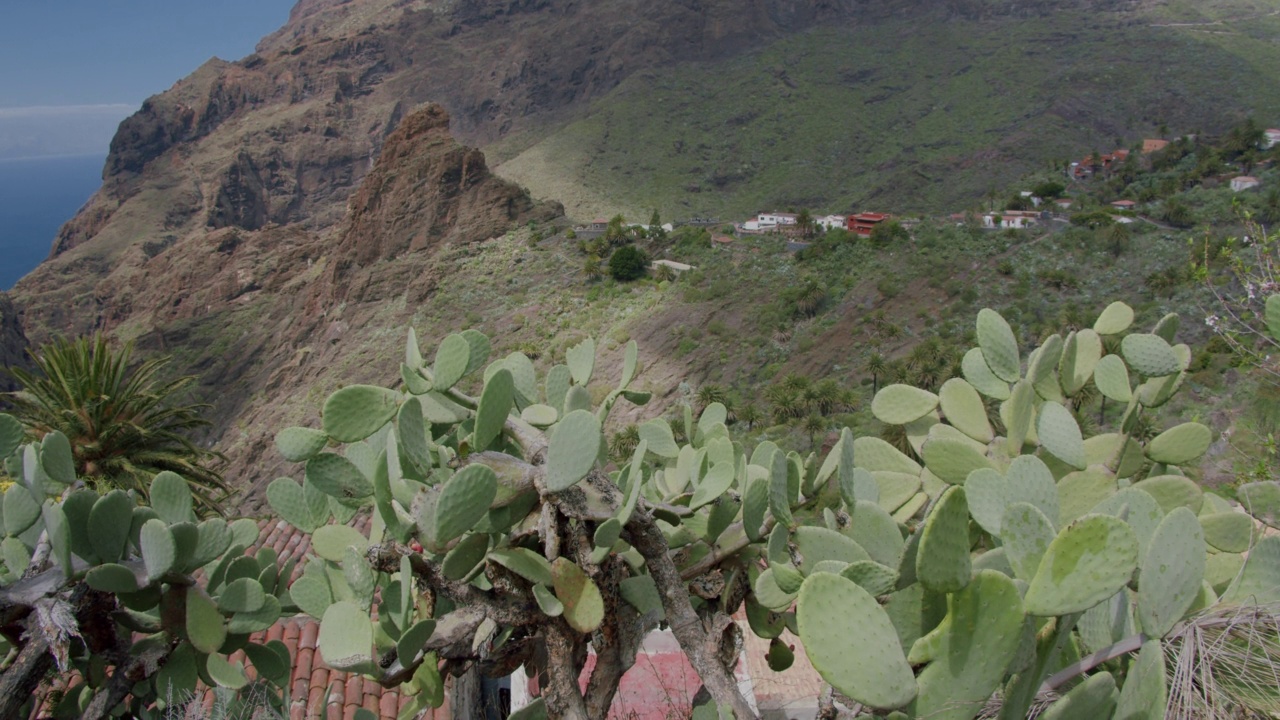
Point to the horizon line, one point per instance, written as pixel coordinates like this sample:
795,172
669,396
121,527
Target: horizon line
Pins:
22,111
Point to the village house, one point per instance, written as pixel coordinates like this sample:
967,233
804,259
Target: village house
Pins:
598,225
864,223
769,222
1272,137
1064,203
1244,182
1098,163
831,222
1124,204
1151,145
1010,220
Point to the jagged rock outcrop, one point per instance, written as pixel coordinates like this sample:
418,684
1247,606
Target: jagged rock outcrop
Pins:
13,343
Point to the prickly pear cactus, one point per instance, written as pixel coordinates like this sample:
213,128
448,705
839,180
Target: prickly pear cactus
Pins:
118,573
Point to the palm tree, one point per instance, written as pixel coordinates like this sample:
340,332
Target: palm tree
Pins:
593,268
813,425
824,397
876,365
712,393
749,414
125,426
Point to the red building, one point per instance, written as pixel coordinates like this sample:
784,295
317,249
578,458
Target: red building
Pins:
864,223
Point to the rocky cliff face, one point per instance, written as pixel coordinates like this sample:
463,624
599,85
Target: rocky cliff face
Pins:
13,343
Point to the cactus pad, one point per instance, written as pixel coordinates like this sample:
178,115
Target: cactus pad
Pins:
900,404
769,594
526,563
895,489
1027,534
1094,698
1060,435
1080,492
358,411
1260,499
11,434
834,614
953,460
346,638
1017,413
874,454
496,401
876,532
1259,581
242,595
1173,491
1080,356
1111,376
871,576
56,459
574,448
464,500
291,503
1145,692
657,433
583,605
1085,564
337,477
582,359
713,485
1149,355
158,549
965,410
1181,444
978,373
1114,320
299,444
331,541
999,346
1171,572
1230,531
452,358
970,651
942,562
205,627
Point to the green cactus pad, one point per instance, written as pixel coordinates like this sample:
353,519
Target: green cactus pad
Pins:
1079,358
158,549
465,556
780,490
713,485
415,438
480,348
1108,622
769,594
299,444
582,361
874,454
1149,355
763,622
642,594
978,373
1060,435
918,430
358,411
1094,698
1111,376
171,498
965,410
1167,327
346,638
1017,413
816,544
410,644
268,662
1139,509
834,614
526,563
464,500
109,525
876,532
178,676
1027,534
1145,692
1085,564
970,651
414,382
112,578
856,484
1029,480
242,595
575,446
20,509
1221,570
205,627
942,562
1230,532
871,576
583,605
1114,320
224,673
1259,581
1042,368
244,623
755,503
56,459
657,433
11,435
496,401
311,595
999,346
1157,391
548,603
452,358
1260,499
953,460
1173,491
895,489
911,508
1171,572
331,541
1181,444
291,503
900,404
540,415
337,477
1079,492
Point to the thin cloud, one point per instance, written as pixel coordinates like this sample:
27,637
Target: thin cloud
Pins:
38,111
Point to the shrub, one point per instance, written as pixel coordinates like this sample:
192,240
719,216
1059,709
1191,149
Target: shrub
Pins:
628,263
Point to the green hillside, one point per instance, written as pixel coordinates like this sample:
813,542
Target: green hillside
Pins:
903,115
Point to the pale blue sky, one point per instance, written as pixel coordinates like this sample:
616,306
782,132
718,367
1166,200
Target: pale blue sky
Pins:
70,70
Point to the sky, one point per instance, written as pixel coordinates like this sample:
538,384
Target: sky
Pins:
71,70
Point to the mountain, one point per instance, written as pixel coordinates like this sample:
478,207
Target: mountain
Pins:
275,223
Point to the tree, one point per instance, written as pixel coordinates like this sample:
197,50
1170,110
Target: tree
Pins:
656,232
1178,214
628,263
805,223
125,425
1049,190
129,618
1117,238
813,425
889,233
592,268
876,365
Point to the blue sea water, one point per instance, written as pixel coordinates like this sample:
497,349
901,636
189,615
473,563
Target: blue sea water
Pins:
36,197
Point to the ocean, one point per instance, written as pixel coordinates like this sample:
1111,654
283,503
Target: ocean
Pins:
36,197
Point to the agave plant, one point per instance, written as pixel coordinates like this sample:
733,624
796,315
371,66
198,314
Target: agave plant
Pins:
125,426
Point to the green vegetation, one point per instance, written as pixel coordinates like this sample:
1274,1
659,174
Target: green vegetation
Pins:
628,263
124,424
104,589
994,554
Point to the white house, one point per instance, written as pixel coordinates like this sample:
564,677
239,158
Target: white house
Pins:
1244,182
775,219
830,222
1010,219
1272,136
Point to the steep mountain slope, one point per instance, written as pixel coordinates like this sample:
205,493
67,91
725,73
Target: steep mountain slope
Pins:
276,222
